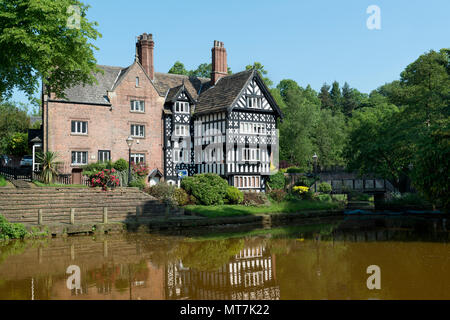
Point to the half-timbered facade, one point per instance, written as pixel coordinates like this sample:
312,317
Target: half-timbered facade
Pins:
181,125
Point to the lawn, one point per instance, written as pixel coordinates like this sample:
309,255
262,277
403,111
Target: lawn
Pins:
240,210
56,185
2,181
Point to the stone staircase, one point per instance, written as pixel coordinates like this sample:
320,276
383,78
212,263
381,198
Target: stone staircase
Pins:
23,205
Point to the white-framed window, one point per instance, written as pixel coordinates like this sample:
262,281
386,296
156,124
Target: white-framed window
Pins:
137,105
79,157
252,128
79,127
137,157
137,81
180,155
254,102
181,130
251,154
138,130
104,155
247,182
181,107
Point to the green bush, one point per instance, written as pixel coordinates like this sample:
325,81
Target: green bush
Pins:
120,165
255,199
234,195
163,191
278,195
138,183
11,230
324,197
181,197
208,188
277,181
324,187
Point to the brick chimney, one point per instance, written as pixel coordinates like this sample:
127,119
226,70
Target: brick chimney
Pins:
144,52
219,62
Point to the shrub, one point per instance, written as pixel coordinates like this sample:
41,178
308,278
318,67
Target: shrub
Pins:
138,183
11,230
140,169
325,187
162,191
278,195
104,179
255,199
181,197
120,165
324,197
358,196
208,188
234,195
277,181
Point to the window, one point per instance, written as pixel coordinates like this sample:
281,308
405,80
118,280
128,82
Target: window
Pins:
182,107
137,157
137,106
79,157
247,182
180,156
181,130
137,130
137,81
104,155
252,128
254,102
79,127
249,154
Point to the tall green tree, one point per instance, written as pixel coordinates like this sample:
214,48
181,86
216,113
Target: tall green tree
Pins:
14,120
263,72
325,97
48,41
336,96
178,68
348,101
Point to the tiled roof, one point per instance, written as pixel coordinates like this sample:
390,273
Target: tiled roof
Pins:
224,93
165,81
96,93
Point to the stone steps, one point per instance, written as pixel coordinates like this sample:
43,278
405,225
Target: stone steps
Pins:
23,205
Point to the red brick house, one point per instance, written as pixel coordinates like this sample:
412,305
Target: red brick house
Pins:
162,113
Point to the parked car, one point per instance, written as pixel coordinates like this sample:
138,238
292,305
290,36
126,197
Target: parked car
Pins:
5,160
27,161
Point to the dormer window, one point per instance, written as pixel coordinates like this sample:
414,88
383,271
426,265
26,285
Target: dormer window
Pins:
181,107
254,102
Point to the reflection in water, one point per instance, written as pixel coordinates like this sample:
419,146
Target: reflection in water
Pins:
320,260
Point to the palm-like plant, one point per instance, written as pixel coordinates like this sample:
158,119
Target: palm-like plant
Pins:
49,165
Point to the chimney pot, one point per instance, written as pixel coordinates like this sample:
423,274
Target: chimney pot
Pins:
219,62
145,46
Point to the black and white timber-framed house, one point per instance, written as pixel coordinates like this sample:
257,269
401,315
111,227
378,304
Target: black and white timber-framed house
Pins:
230,129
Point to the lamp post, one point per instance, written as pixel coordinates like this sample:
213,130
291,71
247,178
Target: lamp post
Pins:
315,163
130,144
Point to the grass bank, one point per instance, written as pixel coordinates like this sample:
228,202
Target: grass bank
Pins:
241,210
56,185
2,181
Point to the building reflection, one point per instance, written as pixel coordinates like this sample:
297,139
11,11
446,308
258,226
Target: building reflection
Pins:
250,275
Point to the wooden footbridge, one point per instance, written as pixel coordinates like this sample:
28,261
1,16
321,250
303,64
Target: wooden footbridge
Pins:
371,186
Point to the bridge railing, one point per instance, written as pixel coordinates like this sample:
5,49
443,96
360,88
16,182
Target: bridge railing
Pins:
360,185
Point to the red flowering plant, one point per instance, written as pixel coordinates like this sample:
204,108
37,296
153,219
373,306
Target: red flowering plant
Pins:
140,169
105,179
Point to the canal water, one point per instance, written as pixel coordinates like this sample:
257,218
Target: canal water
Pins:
407,258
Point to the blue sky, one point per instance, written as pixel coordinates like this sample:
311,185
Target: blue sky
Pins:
311,42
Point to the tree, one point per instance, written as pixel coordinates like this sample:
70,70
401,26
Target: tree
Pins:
178,68
348,100
262,72
41,40
336,96
49,165
325,97
17,144
204,71
13,119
